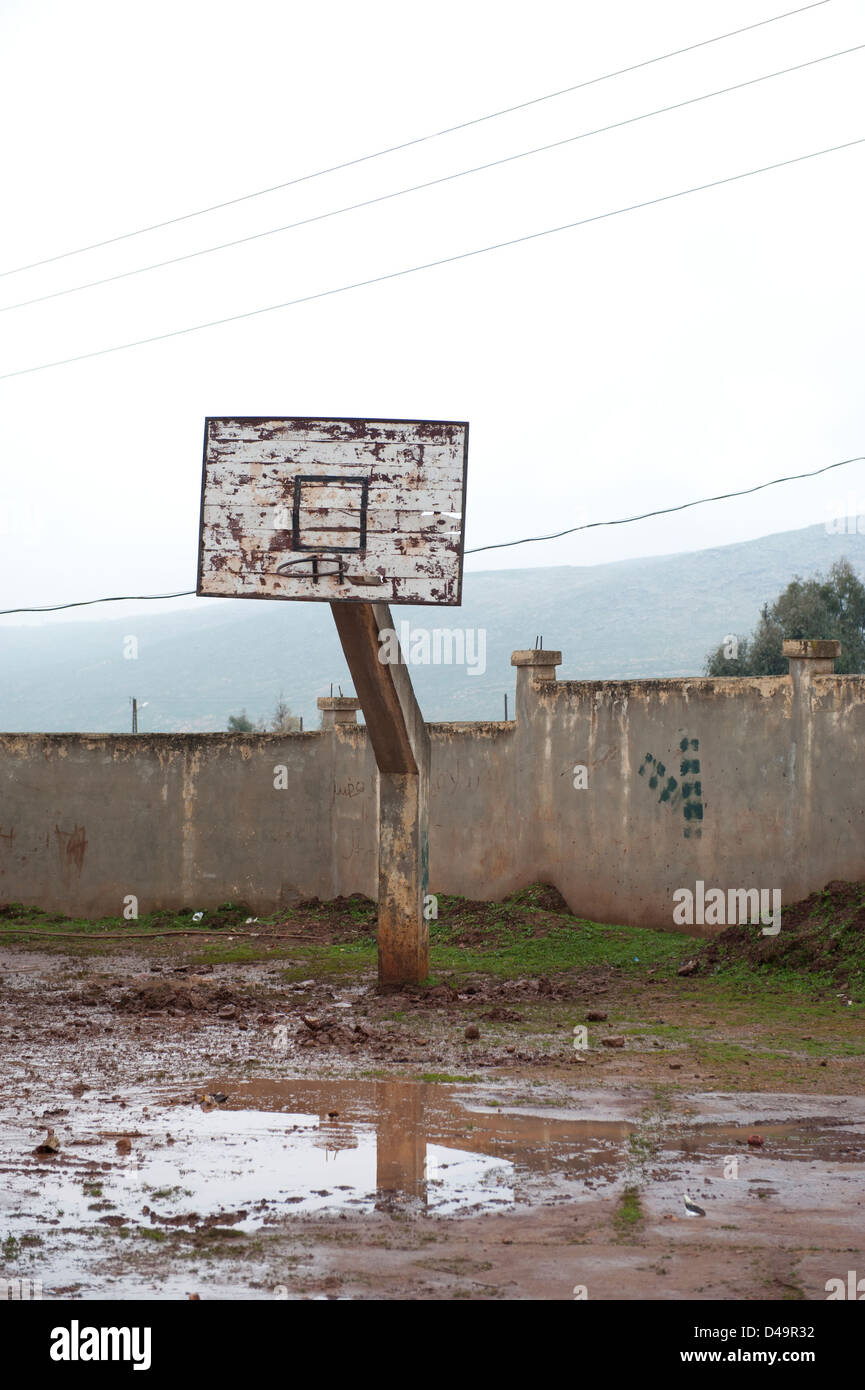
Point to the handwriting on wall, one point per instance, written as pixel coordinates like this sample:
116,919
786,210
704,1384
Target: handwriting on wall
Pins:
348,788
448,782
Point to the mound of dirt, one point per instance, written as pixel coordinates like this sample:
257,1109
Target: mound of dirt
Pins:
328,1032
544,896
190,995
824,933
540,907
340,919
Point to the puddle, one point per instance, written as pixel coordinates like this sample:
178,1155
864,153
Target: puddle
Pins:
799,1140
302,1146
311,1149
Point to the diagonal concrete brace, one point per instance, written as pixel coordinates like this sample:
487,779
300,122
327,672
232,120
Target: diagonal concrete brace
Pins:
402,752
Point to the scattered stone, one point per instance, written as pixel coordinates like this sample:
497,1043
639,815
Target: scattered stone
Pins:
689,968
675,1066
227,1011
472,1032
613,1042
755,1141
596,1016
124,1146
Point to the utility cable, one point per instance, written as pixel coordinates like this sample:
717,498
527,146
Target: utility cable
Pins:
501,545
430,183
408,144
429,265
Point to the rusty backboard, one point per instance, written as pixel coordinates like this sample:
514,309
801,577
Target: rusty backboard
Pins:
333,510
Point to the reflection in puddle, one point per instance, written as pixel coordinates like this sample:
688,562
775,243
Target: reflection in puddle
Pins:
280,1147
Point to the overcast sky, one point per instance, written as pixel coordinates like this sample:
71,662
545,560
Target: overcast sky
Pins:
703,345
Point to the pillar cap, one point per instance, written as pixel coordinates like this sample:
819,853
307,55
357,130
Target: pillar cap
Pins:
338,702
811,649
536,658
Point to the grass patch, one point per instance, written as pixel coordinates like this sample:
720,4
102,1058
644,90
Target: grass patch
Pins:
629,1213
513,951
443,1077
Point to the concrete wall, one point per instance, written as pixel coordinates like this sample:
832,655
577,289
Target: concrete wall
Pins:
736,782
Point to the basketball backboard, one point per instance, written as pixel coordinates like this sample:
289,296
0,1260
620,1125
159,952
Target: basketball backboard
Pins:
349,510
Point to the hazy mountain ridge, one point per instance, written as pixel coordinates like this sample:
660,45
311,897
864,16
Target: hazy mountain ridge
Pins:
651,617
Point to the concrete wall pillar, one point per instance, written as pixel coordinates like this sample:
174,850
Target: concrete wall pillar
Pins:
532,795
532,667
337,709
809,658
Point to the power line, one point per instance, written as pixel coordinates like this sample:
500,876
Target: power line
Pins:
665,511
87,602
501,545
408,144
429,265
430,183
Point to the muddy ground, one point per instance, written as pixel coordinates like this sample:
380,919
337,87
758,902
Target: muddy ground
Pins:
243,1115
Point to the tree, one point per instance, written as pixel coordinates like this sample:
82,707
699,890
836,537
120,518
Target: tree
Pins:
282,721
731,658
240,724
823,607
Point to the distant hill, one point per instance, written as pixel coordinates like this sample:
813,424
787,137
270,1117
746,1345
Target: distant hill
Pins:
650,617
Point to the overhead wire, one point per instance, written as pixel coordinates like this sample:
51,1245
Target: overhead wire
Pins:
429,183
429,265
500,545
417,140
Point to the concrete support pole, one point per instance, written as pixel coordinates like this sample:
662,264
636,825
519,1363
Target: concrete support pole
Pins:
402,752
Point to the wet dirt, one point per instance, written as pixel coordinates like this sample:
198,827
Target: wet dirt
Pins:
502,1177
